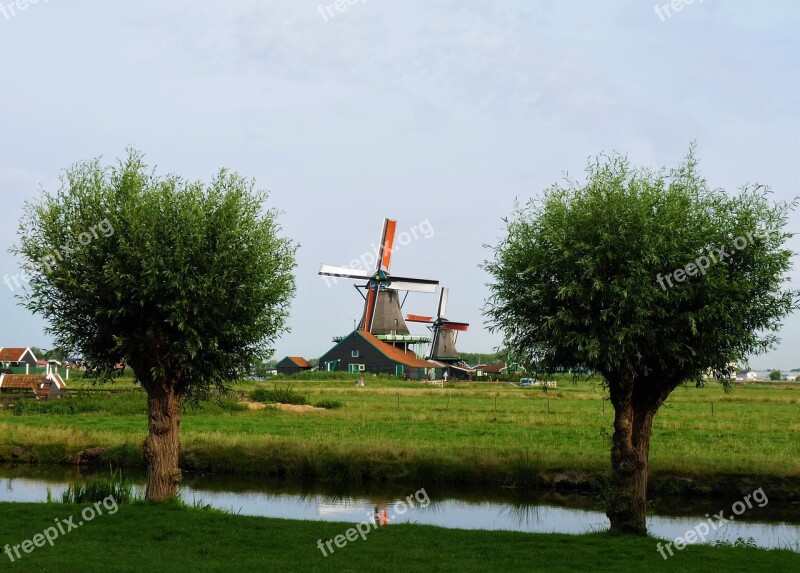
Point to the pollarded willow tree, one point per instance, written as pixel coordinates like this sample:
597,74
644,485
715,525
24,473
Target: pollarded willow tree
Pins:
188,283
650,279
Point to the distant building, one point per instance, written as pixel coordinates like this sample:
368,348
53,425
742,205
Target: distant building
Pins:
456,370
490,371
362,352
293,365
15,357
44,386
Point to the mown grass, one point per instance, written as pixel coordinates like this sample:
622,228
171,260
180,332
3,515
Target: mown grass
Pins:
145,537
463,433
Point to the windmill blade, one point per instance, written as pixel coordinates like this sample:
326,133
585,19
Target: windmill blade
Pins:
411,287
418,318
460,326
369,309
387,240
343,272
415,280
443,302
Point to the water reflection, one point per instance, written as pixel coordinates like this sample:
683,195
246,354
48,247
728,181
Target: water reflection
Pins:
547,514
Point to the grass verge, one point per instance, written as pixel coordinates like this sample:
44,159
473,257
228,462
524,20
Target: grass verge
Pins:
146,537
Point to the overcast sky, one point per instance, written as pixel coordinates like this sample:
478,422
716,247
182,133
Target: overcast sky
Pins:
435,113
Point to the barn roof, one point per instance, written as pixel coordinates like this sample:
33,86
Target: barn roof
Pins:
300,361
455,365
14,354
20,381
491,368
23,381
405,358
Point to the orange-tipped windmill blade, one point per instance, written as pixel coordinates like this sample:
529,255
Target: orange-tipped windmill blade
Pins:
381,288
387,242
418,318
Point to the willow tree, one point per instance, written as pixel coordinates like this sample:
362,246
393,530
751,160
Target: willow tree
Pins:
650,279
186,282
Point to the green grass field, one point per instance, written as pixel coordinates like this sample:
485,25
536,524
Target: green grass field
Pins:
142,537
464,433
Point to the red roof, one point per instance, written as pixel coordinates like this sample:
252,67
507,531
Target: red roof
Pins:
300,361
407,358
21,381
13,354
491,368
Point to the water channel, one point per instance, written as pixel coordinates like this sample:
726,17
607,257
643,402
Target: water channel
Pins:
773,525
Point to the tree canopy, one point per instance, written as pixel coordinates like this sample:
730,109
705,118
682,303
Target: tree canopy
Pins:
188,283
650,279
576,275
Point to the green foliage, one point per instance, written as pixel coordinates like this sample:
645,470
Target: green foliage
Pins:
329,404
741,542
187,282
225,403
576,276
125,403
128,403
775,375
116,486
262,369
282,395
473,358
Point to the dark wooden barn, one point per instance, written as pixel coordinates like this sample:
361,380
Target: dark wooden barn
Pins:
362,353
293,365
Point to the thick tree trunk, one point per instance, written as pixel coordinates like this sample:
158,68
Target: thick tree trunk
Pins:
162,445
635,403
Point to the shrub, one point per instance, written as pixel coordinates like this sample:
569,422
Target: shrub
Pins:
285,395
329,404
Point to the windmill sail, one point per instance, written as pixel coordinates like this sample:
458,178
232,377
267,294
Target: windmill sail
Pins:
382,313
443,341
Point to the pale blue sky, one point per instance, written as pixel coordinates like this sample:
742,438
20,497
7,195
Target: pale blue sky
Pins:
440,111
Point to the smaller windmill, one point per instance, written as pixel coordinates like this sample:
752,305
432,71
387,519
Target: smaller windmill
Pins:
445,332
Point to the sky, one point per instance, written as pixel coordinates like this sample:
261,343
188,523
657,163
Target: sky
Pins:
439,114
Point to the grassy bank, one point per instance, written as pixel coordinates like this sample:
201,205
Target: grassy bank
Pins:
464,433
141,537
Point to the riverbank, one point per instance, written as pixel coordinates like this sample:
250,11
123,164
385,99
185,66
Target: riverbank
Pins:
463,434
141,537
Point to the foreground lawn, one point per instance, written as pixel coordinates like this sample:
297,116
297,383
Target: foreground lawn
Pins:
464,433
141,538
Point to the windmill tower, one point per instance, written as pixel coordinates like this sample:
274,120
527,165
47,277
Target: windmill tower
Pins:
382,315
445,332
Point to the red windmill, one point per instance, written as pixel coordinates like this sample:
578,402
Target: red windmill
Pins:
382,315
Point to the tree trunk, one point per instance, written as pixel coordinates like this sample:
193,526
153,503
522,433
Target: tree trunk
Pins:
162,445
635,403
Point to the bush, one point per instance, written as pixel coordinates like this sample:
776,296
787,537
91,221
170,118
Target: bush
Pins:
329,404
285,395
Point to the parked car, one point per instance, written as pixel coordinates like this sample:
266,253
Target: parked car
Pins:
527,382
